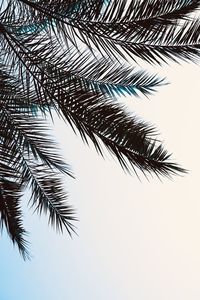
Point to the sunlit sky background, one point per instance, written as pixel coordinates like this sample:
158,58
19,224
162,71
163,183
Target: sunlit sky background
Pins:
137,240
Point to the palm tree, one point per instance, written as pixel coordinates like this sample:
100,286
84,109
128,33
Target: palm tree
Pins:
73,57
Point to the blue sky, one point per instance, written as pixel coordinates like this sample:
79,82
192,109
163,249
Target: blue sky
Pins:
137,240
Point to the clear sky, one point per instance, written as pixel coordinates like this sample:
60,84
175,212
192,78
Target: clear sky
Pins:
137,240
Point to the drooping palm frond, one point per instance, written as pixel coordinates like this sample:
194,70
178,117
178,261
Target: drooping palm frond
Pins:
26,161
30,132
130,140
10,193
11,215
49,197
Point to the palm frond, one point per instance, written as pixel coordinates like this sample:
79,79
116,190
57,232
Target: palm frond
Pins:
136,19
10,213
45,184
101,76
109,42
127,138
173,42
24,150
49,197
91,74
30,132
147,11
132,130
121,11
31,136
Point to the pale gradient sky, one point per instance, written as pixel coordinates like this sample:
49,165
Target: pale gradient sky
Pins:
137,240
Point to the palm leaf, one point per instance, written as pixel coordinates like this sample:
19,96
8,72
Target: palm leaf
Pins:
45,185
29,131
96,75
113,44
23,148
127,138
49,197
11,215
147,11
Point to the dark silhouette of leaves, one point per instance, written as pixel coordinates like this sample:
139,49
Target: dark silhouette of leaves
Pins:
72,56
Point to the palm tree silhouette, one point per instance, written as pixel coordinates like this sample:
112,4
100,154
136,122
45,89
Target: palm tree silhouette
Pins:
73,57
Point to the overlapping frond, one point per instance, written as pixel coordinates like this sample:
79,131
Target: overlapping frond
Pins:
147,10
101,75
67,55
129,29
25,148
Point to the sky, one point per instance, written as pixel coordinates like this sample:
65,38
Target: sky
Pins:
136,240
